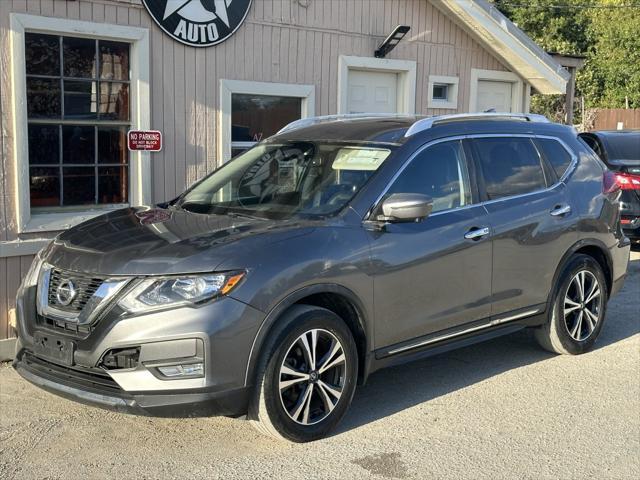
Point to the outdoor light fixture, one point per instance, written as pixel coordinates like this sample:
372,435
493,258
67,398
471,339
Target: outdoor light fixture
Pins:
391,41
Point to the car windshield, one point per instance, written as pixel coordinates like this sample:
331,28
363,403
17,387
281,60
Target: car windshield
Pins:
279,180
624,146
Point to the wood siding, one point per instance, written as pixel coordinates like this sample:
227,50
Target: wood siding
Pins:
287,41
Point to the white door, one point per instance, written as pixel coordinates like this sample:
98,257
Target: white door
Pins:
494,95
372,92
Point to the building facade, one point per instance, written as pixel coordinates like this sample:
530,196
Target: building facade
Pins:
76,75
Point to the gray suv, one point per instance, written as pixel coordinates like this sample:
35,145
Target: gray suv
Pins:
337,247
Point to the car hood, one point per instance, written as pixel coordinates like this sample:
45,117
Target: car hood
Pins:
157,241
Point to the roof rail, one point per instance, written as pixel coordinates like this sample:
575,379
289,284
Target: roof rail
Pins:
307,122
429,122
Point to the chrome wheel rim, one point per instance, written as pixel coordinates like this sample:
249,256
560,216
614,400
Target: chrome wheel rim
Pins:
312,376
582,305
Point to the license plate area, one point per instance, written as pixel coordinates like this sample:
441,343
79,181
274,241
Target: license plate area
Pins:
51,347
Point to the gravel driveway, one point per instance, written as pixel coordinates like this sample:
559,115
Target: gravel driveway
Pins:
498,410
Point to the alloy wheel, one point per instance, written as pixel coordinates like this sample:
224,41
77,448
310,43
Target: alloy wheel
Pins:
582,305
312,376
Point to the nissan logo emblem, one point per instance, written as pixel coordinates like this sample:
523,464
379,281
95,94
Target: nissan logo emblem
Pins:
66,292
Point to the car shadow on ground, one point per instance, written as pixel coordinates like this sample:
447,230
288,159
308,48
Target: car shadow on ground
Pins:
392,390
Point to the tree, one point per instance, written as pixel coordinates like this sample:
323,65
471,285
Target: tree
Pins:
611,78
607,32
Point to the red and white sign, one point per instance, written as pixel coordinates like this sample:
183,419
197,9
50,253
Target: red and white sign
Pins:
145,140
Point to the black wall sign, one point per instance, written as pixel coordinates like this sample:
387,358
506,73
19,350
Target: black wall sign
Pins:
199,23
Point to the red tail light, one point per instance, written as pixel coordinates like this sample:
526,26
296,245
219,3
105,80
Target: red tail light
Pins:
613,181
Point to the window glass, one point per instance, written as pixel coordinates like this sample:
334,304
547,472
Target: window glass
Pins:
43,98
78,185
112,145
112,182
114,60
79,57
44,183
440,91
44,144
281,180
511,166
555,154
440,172
78,115
623,146
80,99
42,54
256,117
78,144
593,144
114,101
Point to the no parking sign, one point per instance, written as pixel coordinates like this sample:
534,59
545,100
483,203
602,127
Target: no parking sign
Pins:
144,140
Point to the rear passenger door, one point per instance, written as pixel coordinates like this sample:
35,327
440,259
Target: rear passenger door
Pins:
531,217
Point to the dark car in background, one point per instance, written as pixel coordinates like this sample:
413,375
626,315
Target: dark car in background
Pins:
620,151
337,247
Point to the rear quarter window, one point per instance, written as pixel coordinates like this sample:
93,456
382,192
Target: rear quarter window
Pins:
557,156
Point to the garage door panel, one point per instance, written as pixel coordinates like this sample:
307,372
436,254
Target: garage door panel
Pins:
494,95
372,92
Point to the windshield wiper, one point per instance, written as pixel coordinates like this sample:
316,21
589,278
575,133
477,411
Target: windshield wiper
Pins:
243,215
194,207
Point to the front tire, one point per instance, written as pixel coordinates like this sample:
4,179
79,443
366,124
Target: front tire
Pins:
307,376
578,309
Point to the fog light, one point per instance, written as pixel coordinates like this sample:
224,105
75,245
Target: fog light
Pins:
191,370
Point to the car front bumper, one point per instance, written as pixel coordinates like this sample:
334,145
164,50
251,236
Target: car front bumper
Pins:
98,393
223,332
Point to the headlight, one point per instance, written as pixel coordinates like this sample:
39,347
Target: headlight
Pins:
155,294
31,278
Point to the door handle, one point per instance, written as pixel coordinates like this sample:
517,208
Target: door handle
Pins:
560,210
477,233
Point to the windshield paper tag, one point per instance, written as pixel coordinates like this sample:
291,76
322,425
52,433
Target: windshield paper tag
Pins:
360,158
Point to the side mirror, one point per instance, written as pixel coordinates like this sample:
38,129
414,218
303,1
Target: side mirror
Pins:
406,207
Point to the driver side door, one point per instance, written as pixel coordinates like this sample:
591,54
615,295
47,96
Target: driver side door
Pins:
435,274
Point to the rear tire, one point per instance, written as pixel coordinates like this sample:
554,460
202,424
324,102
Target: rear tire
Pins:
306,377
578,309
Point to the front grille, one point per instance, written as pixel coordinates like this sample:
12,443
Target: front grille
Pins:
84,284
83,378
70,327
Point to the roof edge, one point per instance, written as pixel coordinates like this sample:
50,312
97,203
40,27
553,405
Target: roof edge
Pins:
501,36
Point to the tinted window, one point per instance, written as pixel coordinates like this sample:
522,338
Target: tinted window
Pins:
511,166
440,172
623,146
555,154
593,144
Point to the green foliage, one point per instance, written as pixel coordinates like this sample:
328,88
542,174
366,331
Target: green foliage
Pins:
555,30
612,75
608,37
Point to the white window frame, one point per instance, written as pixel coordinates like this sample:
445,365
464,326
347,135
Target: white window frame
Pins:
228,87
140,114
406,70
477,74
452,92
